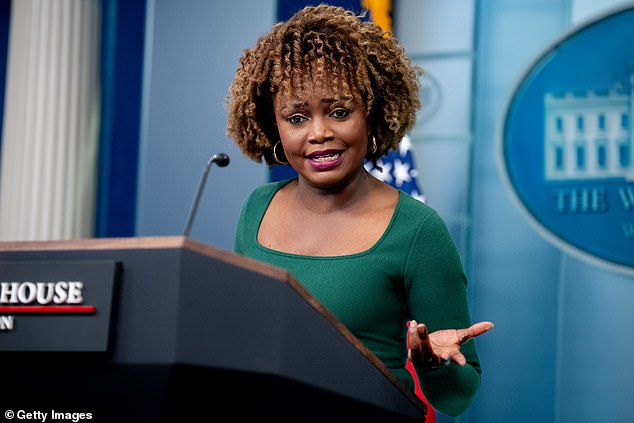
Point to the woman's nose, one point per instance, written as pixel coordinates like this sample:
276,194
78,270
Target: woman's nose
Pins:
320,130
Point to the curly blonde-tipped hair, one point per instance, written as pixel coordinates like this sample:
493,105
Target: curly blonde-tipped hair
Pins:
330,46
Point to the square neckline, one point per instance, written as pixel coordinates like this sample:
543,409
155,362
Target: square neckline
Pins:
281,184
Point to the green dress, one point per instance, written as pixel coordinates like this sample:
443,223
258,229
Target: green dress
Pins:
412,272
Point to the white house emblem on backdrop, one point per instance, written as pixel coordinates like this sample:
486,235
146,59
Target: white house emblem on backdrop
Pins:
567,138
589,135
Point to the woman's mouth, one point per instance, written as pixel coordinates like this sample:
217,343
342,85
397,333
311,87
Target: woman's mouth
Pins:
324,160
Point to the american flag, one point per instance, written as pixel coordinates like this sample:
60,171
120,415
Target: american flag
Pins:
399,170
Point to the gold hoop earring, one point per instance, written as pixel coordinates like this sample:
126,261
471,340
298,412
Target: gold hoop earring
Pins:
277,160
374,146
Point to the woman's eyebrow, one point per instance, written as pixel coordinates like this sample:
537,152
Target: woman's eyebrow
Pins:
300,105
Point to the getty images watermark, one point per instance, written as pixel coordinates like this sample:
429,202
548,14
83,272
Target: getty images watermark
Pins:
47,416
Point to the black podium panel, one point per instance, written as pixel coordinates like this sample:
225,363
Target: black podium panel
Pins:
197,332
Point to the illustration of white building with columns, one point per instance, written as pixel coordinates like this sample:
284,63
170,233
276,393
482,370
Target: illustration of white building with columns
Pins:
589,135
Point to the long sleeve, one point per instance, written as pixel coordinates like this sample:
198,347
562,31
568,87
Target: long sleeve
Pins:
437,296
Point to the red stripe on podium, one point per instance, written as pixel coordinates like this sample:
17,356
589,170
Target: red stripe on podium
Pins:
48,309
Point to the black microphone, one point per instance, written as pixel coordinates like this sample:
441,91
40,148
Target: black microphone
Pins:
221,160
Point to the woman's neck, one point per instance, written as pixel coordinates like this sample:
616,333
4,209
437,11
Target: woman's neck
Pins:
343,197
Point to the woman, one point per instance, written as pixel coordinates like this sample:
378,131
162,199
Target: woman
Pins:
323,92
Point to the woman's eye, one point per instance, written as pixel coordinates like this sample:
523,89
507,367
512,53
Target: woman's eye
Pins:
296,119
340,113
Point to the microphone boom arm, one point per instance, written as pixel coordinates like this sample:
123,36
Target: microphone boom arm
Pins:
221,160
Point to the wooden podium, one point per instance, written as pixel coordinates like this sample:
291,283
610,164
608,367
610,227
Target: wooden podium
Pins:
169,329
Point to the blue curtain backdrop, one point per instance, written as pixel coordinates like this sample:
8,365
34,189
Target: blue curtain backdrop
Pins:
5,18
287,8
123,28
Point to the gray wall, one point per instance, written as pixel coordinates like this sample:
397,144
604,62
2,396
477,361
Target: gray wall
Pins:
192,52
562,346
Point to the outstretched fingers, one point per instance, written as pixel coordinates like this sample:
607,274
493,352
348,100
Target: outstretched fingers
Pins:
432,349
474,330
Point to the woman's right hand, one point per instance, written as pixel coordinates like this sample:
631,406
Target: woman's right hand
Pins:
429,350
